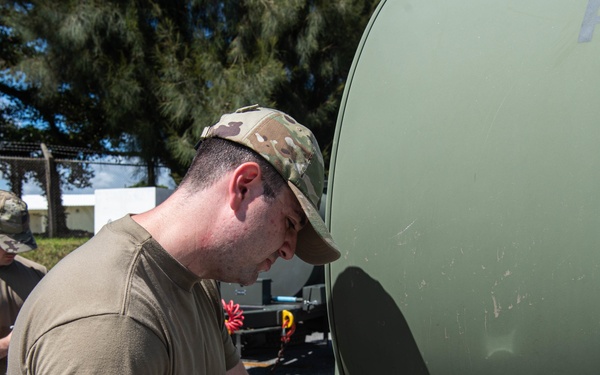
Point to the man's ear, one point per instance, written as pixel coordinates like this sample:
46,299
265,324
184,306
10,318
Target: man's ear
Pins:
244,185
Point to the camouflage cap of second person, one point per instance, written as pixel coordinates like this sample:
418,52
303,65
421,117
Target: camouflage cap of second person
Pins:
293,150
15,235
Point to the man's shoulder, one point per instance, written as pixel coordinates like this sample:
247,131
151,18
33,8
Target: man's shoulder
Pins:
126,226
112,246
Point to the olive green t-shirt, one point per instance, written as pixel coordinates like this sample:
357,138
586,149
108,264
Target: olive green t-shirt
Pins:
120,304
17,280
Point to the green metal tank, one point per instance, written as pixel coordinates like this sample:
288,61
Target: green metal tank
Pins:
464,191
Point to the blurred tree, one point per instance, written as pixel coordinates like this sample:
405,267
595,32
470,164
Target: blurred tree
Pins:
28,117
146,76
293,55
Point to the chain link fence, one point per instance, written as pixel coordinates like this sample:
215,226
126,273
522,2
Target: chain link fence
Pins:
56,172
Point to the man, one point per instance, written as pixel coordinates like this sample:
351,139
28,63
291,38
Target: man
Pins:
18,276
138,297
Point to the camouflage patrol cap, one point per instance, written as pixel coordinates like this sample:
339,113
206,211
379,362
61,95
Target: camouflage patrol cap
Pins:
15,236
293,150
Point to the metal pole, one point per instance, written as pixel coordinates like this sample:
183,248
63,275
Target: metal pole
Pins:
49,191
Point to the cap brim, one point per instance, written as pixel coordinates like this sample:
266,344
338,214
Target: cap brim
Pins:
315,244
18,243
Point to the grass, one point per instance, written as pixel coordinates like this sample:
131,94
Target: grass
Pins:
51,250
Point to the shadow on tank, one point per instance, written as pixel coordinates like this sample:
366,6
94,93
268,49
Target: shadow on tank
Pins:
372,333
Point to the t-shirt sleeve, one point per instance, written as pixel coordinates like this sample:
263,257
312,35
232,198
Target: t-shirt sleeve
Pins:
104,344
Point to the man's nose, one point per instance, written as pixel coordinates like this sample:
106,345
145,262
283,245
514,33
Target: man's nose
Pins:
288,248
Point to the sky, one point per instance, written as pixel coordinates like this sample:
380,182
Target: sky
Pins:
106,177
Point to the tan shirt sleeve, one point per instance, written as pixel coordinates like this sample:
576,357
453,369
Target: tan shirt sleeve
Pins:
104,344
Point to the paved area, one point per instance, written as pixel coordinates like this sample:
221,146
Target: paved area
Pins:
315,356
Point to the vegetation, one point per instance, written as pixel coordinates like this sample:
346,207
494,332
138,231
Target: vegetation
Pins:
144,77
147,76
51,250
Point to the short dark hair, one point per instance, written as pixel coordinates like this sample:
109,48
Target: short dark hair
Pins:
215,157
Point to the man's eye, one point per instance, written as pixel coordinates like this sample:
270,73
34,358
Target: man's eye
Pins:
291,224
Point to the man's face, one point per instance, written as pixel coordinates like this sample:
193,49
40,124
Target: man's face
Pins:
6,258
270,231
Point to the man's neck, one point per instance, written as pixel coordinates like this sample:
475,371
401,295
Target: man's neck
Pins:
182,226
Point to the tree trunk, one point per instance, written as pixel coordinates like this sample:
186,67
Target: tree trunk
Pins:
151,173
57,220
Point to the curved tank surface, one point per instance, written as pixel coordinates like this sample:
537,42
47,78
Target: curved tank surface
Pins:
464,191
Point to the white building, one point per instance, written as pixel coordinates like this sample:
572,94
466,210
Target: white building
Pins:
89,212
79,209
113,204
